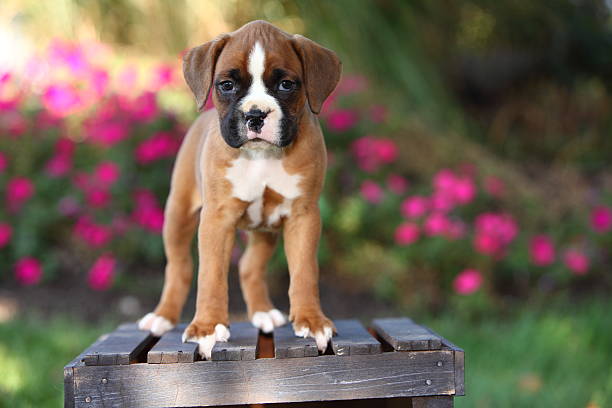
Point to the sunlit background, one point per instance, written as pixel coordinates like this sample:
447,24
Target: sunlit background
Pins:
469,182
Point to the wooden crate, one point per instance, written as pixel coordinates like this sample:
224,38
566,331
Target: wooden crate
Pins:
395,358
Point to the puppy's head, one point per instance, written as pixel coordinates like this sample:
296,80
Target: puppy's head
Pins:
261,80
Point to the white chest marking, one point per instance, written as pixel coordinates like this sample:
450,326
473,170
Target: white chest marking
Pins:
251,176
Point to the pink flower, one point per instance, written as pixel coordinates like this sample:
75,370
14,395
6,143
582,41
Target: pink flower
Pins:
397,184
341,120
58,165
442,201
144,107
415,206
147,213
101,274
464,190
371,192
18,191
3,162
494,186
163,75
28,271
576,261
160,145
108,133
5,234
467,282
541,250
494,232
436,224
106,173
97,197
601,219
93,234
386,150
62,99
407,233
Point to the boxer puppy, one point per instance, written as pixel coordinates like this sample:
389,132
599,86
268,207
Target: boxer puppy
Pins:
255,162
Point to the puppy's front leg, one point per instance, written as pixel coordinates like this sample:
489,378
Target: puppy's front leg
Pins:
215,242
302,231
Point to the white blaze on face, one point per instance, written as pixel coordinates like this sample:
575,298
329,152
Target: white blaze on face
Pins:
258,97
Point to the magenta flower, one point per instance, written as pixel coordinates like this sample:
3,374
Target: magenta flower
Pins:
542,250
68,206
3,162
407,233
163,75
59,165
160,145
106,173
93,234
467,282
28,271
102,272
464,190
144,108
97,197
442,201
494,232
386,150
341,120
397,184
601,219
371,192
107,133
147,213
5,234
18,191
436,224
62,99
576,261
415,206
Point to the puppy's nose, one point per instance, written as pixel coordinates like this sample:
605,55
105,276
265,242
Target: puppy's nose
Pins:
255,119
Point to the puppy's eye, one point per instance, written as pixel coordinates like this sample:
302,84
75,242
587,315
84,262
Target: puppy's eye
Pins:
286,86
226,86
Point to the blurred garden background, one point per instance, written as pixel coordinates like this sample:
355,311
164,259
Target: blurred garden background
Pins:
469,182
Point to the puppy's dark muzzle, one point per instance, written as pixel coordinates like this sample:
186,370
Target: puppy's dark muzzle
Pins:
255,120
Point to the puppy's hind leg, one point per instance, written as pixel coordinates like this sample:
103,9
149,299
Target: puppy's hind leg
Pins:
252,267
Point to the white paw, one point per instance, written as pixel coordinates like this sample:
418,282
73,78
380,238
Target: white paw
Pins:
157,325
322,338
206,343
267,321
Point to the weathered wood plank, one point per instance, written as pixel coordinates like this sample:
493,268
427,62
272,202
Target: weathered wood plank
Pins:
171,349
287,345
405,335
242,344
119,347
267,380
352,339
432,402
459,361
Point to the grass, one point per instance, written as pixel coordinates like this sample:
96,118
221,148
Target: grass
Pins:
557,357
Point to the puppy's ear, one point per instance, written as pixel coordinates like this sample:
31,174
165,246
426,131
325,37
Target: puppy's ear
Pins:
199,67
322,70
